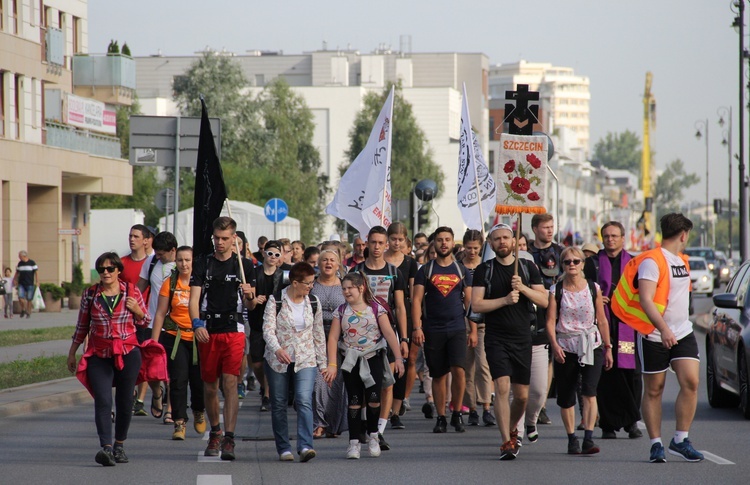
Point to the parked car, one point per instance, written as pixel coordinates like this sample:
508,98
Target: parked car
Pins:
701,276
725,270
710,256
728,345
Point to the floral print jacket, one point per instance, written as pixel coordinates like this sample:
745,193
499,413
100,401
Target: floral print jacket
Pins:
308,346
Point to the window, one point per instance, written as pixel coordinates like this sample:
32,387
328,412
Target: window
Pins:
34,104
76,35
2,103
18,97
2,16
13,14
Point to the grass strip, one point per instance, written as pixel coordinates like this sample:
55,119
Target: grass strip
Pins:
22,372
10,338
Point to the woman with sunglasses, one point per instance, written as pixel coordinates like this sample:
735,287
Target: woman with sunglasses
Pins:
110,311
329,401
579,339
295,350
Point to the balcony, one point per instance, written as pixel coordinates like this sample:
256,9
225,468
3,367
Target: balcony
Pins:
106,78
64,136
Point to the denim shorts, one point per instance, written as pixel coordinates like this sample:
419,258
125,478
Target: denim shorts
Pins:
26,292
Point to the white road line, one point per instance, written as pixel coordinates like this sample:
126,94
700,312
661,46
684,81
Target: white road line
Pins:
214,480
716,459
210,459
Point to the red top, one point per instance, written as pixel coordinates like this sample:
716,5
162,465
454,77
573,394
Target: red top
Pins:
131,269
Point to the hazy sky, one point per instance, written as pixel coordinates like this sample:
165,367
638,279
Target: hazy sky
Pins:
688,45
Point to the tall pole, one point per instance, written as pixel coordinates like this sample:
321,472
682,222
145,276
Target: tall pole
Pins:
176,209
703,125
744,250
708,210
728,142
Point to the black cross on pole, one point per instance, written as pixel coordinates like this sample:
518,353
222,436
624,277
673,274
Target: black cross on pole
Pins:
521,117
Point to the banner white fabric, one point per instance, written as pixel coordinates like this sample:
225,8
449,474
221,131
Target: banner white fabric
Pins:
363,198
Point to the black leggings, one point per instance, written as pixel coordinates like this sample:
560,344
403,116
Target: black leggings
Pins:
181,373
359,395
103,376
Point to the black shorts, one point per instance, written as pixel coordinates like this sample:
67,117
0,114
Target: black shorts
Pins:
257,346
508,359
655,358
566,378
443,350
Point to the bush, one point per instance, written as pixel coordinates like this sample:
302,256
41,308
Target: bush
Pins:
76,286
56,291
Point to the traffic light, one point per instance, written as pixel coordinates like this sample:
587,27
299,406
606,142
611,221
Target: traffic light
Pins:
717,206
422,218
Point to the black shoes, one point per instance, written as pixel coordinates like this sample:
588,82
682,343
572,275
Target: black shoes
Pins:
441,426
396,422
105,457
384,446
488,418
428,409
457,421
589,448
633,431
473,418
608,435
119,454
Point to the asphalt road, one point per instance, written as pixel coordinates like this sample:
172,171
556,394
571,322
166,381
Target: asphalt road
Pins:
58,446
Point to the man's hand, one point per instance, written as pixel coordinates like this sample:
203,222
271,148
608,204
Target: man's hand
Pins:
260,299
517,283
668,339
248,291
404,350
201,335
605,300
399,367
512,297
418,337
472,339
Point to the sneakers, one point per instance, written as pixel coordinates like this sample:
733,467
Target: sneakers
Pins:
373,444
428,409
657,454
473,418
307,454
241,391
589,448
199,422
179,432
396,422
507,451
212,449
515,441
457,421
441,426
138,408
286,456
488,419
405,406
352,453
104,457
119,453
574,447
227,448
532,434
251,383
543,418
384,446
608,435
685,450
265,403
633,431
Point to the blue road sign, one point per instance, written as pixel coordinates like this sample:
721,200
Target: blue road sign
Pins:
276,210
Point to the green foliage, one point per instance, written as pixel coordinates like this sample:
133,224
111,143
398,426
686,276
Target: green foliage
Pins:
76,286
620,151
125,49
670,187
411,157
113,48
41,369
11,338
57,292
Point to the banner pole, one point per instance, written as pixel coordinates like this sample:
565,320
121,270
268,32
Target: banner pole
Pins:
236,245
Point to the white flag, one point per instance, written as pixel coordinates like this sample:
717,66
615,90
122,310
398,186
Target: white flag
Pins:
364,195
477,192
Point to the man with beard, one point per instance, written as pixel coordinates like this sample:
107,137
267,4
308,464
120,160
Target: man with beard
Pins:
505,298
619,391
358,255
445,287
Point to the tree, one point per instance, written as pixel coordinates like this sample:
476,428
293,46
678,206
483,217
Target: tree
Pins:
411,157
670,187
620,151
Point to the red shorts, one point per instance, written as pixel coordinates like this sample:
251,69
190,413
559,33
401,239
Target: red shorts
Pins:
221,355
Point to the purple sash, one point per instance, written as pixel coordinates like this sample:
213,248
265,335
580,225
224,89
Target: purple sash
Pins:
624,346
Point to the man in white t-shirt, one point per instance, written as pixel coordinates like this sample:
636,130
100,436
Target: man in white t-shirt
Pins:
672,344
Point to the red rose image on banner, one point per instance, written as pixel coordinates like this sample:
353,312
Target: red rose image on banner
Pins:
510,166
533,160
533,196
520,185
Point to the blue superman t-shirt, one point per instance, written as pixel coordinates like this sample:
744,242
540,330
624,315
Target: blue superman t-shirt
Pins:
443,300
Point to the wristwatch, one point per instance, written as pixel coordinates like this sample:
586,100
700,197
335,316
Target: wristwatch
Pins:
404,339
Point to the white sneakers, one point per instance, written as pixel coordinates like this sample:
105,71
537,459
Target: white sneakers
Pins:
352,453
286,456
373,445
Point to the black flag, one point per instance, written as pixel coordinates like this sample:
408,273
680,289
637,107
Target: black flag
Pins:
210,191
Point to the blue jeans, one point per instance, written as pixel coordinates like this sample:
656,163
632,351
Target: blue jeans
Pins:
278,387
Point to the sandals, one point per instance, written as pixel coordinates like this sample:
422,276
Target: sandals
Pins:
158,411
319,432
168,418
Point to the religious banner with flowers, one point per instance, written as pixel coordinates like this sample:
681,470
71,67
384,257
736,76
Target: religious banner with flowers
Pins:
521,174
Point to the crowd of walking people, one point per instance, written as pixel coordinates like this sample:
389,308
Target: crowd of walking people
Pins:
344,333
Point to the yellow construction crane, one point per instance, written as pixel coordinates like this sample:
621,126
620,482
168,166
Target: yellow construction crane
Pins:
649,123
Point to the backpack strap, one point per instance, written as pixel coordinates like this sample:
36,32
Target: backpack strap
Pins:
151,266
488,268
172,286
558,298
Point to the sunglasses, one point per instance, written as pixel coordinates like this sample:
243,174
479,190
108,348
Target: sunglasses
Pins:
108,269
271,254
575,262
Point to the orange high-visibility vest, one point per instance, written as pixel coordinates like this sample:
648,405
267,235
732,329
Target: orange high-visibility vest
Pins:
626,302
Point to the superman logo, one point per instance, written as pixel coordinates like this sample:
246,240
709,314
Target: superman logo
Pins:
445,283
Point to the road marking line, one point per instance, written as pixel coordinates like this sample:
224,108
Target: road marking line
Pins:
210,459
214,480
716,459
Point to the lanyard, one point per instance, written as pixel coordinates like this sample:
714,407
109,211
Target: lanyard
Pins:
111,308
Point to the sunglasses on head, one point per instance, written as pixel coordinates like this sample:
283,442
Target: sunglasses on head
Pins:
575,262
273,254
108,269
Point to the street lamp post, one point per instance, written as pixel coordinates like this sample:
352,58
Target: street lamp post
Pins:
739,23
704,126
727,141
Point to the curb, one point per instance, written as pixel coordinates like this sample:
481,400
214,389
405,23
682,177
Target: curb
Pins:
42,402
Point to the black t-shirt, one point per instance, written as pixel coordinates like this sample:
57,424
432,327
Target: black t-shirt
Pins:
223,294
26,270
408,268
443,304
265,286
509,323
381,280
